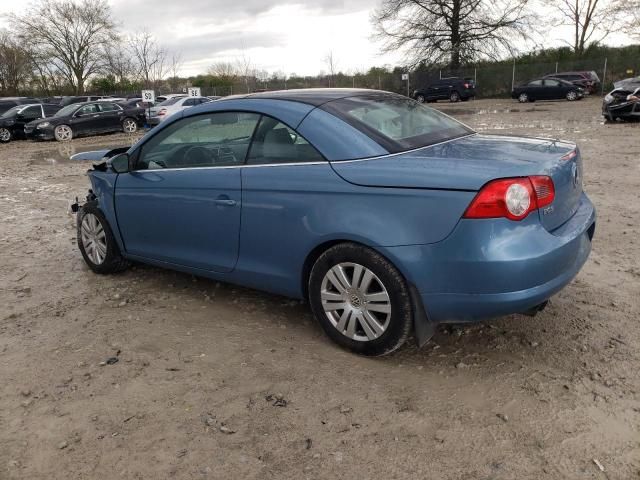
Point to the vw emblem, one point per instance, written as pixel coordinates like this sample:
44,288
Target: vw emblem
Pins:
575,174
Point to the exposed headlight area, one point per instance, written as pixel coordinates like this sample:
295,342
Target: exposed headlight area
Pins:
43,125
608,98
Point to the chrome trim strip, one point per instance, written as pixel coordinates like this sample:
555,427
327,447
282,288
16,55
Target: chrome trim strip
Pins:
298,164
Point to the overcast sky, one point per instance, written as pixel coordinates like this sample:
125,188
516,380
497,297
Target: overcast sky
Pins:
287,35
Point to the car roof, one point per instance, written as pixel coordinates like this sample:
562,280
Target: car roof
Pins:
311,96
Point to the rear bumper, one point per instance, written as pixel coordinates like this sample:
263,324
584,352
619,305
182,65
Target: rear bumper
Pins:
493,267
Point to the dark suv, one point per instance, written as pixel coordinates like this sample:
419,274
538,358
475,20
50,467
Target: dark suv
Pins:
453,89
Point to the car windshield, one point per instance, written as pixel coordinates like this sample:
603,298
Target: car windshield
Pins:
170,101
11,112
68,110
396,123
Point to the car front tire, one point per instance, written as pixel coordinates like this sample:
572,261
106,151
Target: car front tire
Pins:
96,241
129,125
420,98
454,97
5,135
360,299
523,98
572,96
63,133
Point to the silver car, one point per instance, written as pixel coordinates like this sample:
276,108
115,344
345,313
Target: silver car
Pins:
172,105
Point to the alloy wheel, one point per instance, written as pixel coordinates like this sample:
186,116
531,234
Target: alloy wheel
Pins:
355,301
571,96
420,99
94,239
523,98
5,135
129,126
63,133
455,96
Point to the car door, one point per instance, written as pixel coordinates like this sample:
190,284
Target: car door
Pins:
552,89
86,119
29,114
181,202
110,117
535,89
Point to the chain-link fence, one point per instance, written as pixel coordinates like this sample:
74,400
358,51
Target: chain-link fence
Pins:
492,79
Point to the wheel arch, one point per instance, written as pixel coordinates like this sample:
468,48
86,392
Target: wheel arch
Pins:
423,328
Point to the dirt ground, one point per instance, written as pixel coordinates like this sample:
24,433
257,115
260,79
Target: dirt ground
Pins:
216,381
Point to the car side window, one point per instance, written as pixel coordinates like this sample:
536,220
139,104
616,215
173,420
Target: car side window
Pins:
87,110
535,83
32,113
551,83
208,140
109,107
274,142
50,110
189,102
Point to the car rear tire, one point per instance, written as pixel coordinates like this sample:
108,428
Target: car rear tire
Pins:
5,135
572,96
420,99
454,97
360,299
96,241
63,133
523,98
129,125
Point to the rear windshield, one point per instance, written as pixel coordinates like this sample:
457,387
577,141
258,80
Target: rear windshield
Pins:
396,123
11,112
170,101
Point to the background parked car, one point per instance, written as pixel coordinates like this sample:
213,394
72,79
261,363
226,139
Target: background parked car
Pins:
9,102
12,121
80,99
172,105
167,96
86,119
547,89
583,80
622,104
453,89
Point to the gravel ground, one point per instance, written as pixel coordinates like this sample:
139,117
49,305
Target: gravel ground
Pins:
217,381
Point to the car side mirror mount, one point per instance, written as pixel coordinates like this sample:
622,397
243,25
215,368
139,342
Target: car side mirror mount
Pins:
120,163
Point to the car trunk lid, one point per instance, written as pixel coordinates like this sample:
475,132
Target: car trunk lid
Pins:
470,162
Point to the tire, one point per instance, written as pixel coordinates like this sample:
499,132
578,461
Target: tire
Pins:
375,319
129,125
93,229
63,133
523,98
5,135
454,97
420,98
572,96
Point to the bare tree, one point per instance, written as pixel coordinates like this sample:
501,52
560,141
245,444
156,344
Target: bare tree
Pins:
226,72
630,15
150,58
119,63
15,65
175,65
591,20
70,34
332,66
452,31
246,69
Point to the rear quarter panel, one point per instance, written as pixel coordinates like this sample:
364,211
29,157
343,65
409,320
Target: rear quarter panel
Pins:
287,211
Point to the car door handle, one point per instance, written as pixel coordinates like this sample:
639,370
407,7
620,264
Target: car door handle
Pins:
227,202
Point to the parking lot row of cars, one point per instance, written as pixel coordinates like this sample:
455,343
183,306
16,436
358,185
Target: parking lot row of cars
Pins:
63,118
555,86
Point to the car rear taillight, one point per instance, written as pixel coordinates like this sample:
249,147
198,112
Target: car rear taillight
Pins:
467,85
162,112
512,198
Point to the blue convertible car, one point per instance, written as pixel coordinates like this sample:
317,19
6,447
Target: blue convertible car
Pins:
388,216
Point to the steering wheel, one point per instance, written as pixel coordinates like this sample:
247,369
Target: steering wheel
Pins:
198,155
